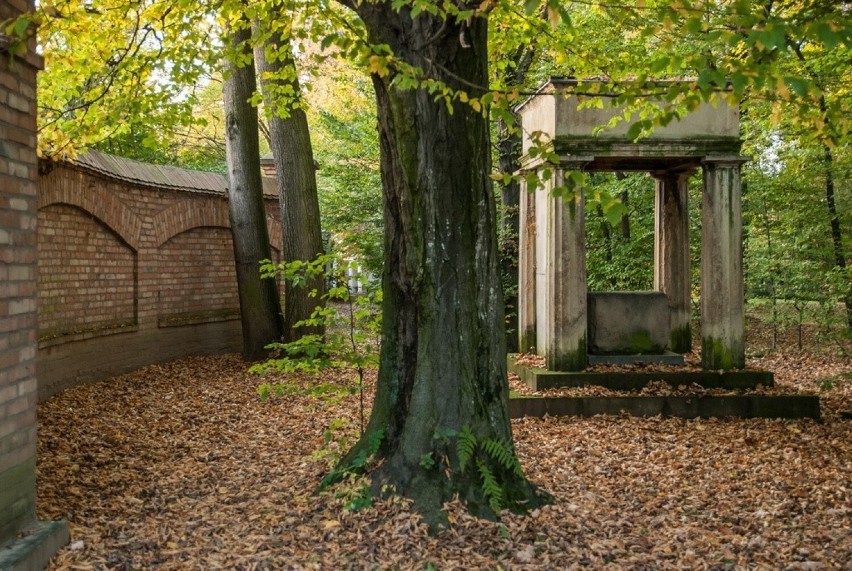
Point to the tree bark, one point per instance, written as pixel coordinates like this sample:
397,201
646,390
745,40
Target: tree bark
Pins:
260,311
836,234
509,146
290,142
443,361
509,154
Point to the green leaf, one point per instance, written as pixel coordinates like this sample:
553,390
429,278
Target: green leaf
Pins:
465,446
490,487
21,25
635,130
531,7
828,36
797,85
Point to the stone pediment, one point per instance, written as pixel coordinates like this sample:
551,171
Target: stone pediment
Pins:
578,131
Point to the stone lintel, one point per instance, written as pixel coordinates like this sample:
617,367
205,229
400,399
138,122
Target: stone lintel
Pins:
725,159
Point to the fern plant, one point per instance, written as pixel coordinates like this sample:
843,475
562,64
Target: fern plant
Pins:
493,451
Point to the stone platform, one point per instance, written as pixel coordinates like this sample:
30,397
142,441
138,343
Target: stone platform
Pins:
683,406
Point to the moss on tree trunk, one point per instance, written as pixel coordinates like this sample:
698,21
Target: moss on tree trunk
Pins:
442,371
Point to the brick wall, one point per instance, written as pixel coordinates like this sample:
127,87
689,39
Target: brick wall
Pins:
131,273
18,171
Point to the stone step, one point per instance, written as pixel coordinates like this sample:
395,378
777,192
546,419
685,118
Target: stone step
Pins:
542,379
683,406
703,406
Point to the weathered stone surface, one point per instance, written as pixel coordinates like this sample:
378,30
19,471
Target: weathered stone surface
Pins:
555,115
722,290
527,279
551,293
665,358
628,323
671,253
748,406
564,335
33,550
543,379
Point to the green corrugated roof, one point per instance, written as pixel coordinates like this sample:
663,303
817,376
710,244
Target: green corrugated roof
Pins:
159,176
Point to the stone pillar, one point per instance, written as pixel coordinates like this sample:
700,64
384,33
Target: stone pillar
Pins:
671,252
566,274
722,295
526,270
24,542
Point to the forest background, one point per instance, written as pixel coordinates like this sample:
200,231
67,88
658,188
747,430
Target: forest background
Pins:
143,80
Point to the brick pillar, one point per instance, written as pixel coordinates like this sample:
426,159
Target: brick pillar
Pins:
566,348
526,270
722,295
671,253
25,542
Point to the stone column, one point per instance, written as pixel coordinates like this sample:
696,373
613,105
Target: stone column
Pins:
722,295
566,275
526,270
671,252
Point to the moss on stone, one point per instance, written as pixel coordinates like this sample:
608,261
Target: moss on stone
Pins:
716,355
680,340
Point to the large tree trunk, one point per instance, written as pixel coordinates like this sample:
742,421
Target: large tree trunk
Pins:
443,361
259,308
290,142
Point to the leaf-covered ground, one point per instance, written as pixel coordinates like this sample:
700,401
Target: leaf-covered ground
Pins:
180,466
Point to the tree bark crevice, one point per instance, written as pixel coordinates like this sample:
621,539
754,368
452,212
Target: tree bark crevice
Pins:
442,365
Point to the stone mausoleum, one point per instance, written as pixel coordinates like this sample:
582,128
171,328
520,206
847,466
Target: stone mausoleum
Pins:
558,317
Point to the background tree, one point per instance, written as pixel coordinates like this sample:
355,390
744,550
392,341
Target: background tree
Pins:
114,69
290,142
260,311
342,118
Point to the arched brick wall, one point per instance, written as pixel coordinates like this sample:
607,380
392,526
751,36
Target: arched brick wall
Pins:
185,215
197,276
133,273
77,189
87,274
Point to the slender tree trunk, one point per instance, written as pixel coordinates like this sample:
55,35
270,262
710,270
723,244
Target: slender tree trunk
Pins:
509,146
836,234
443,361
606,232
259,308
625,218
290,142
772,271
509,154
